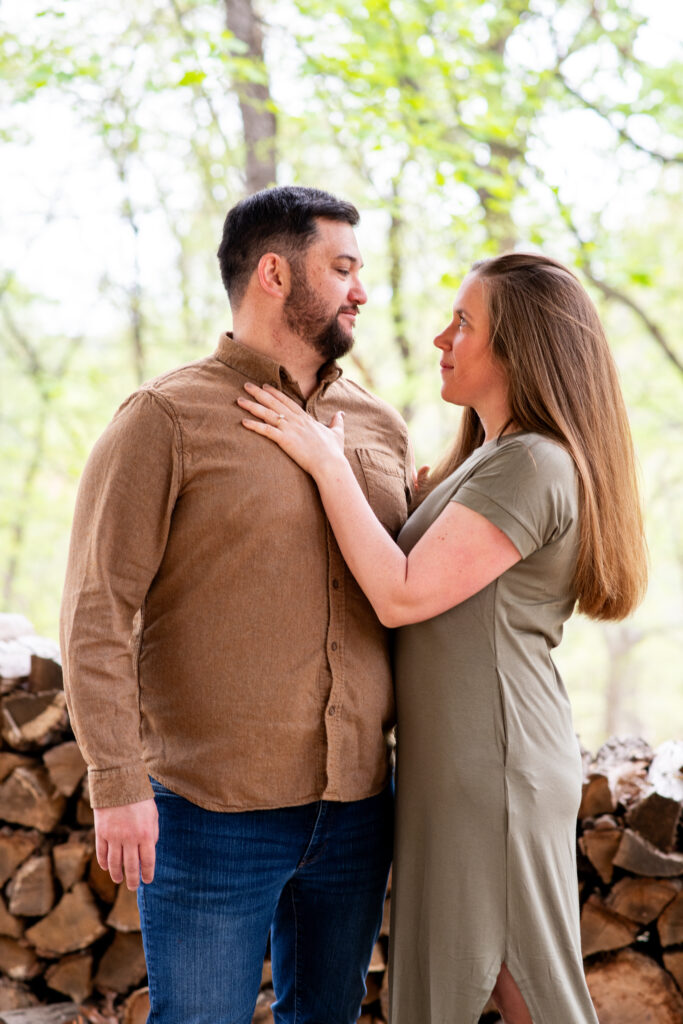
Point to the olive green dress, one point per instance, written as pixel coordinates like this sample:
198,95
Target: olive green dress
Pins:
489,769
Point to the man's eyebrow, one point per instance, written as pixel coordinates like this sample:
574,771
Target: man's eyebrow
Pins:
351,259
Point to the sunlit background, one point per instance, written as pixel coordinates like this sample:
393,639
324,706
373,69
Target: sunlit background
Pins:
460,128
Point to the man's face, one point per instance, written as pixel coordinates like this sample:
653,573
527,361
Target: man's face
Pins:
325,291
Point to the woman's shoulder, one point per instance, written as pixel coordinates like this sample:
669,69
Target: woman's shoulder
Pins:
542,454
523,468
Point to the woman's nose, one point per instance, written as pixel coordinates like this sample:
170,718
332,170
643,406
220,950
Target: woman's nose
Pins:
443,340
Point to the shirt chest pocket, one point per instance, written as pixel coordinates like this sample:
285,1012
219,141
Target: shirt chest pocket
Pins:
383,482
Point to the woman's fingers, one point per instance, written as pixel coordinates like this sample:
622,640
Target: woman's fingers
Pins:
272,399
268,415
281,398
267,429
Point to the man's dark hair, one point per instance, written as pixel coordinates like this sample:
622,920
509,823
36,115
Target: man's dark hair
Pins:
280,220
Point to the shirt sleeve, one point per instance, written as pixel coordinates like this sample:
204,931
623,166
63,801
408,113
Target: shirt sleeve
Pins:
121,523
529,491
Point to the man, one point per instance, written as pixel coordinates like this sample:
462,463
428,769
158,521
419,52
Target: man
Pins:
227,680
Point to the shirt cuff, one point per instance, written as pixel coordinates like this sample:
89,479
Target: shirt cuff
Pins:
508,523
113,787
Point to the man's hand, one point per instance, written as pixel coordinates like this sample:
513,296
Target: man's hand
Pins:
125,838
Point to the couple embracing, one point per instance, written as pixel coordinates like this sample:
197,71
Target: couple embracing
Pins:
246,529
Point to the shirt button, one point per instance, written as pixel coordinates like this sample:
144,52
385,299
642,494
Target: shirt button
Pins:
331,710
333,645
335,584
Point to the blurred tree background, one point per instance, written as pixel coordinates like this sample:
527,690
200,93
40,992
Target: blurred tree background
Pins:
459,127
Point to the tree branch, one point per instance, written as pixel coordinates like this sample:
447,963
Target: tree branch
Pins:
621,132
615,294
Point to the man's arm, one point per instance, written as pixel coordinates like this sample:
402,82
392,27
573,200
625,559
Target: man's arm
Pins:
121,523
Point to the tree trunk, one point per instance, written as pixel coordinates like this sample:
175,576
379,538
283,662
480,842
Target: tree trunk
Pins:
396,281
254,99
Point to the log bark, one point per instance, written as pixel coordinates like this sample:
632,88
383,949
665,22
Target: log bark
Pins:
386,918
596,797
14,996
603,930
17,961
15,847
100,882
62,1013
84,815
28,798
384,995
123,964
73,924
30,719
9,925
136,1007
9,761
642,899
378,960
32,890
600,845
262,1011
72,976
65,766
71,860
632,989
670,923
656,817
673,961
124,915
373,983
640,857
45,674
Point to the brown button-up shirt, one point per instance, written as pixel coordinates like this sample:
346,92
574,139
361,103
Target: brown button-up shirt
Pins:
212,635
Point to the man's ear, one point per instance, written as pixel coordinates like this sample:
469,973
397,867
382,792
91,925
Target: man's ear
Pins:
274,275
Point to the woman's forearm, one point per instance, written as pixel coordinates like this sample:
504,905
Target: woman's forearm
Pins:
376,561
460,552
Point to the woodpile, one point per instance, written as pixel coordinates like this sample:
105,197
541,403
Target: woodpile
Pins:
70,945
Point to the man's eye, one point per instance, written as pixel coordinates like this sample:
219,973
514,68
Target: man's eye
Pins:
343,272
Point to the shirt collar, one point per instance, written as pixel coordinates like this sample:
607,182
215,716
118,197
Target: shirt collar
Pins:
263,370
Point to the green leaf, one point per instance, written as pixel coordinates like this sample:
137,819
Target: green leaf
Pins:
192,78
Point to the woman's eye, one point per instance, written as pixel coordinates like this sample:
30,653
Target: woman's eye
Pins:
344,273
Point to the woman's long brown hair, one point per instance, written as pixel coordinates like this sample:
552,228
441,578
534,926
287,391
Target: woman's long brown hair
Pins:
563,383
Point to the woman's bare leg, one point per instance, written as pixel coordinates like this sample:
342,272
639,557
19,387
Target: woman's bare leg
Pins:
509,999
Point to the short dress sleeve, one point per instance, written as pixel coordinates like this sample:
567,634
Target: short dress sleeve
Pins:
527,488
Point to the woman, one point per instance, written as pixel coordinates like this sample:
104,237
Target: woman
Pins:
536,509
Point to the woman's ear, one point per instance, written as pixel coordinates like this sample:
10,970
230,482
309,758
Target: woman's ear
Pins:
274,275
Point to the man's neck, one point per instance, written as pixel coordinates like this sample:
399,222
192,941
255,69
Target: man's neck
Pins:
301,362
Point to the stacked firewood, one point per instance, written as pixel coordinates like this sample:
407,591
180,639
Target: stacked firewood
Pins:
630,851
70,946
66,930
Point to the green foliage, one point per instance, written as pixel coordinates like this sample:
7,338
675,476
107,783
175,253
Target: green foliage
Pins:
459,127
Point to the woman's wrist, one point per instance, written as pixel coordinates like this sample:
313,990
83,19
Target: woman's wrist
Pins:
331,470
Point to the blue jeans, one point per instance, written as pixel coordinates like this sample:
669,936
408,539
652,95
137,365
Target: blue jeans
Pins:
314,877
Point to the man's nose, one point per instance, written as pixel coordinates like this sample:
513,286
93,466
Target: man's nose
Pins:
358,294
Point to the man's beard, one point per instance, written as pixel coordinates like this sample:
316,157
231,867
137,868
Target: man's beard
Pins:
305,314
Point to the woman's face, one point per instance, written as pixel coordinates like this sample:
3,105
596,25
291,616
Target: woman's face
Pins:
469,373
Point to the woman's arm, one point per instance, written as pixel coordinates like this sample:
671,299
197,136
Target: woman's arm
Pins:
460,553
